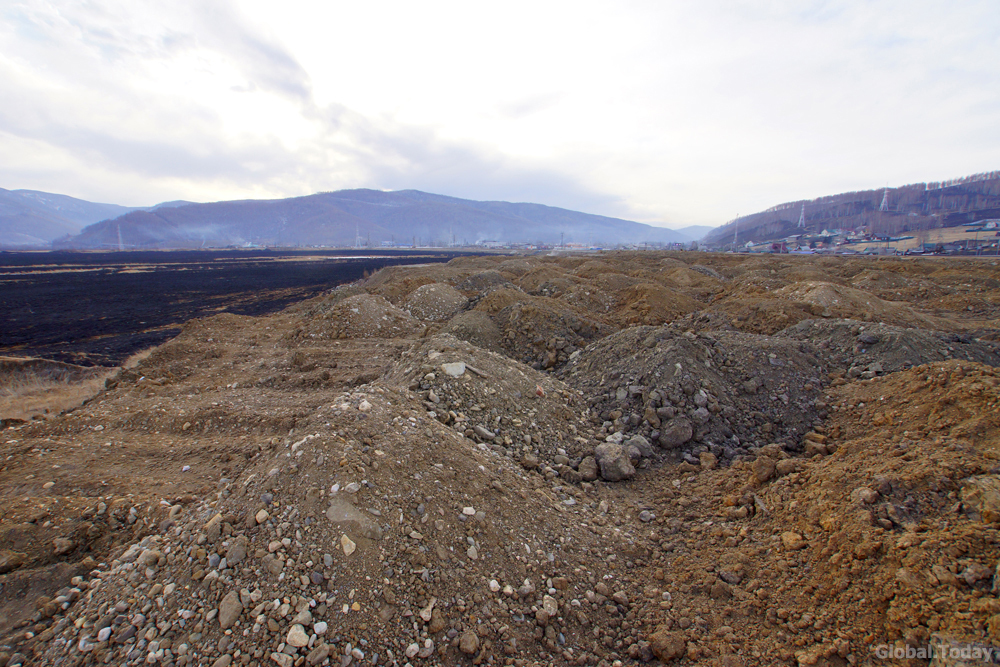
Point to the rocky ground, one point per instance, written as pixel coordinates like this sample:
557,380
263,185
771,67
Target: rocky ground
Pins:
597,460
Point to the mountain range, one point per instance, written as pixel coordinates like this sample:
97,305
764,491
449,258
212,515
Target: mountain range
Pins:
30,218
884,211
343,218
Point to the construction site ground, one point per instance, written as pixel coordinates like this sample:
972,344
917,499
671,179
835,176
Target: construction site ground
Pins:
604,459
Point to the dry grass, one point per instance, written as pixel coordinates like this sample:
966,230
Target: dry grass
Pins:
32,388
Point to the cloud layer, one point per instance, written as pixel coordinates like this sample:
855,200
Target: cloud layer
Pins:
670,113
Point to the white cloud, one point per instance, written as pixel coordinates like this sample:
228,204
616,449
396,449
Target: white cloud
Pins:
676,112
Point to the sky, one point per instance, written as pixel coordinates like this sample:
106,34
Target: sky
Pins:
669,112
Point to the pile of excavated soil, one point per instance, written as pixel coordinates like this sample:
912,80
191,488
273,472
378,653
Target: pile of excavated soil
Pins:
883,538
725,393
360,316
867,349
849,303
435,302
745,480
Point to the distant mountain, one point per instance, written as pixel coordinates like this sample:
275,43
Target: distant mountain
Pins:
908,209
31,218
371,216
695,232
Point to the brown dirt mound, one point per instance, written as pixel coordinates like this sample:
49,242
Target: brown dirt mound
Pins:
653,304
858,347
435,302
763,315
547,281
849,303
543,333
847,552
724,393
476,327
362,316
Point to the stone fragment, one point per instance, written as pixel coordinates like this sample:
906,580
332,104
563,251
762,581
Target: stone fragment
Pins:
10,560
763,469
230,609
667,645
614,462
297,636
454,369
588,469
318,654
675,433
792,541
981,498
348,545
62,546
469,643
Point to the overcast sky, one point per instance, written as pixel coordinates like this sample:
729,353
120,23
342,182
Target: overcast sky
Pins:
668,112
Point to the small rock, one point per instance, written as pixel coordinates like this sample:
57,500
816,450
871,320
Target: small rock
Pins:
318,654
792,541
483,433
588,469
469,643
763,469
708,460
262,516
348,545
675,433
864,495
230,609
667,645
10,560
454,369
297,636
62,546
614,462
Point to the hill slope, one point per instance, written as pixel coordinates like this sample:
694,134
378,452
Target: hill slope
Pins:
339,218
911,208
32,218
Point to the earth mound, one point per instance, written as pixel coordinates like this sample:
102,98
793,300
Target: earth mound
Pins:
603,459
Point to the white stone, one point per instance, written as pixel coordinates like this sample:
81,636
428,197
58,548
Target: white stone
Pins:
348,545
454,369
297,636
320,628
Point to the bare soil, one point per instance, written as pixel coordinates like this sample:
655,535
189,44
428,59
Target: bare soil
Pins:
604,459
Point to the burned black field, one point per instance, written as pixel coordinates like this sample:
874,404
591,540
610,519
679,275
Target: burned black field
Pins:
99,308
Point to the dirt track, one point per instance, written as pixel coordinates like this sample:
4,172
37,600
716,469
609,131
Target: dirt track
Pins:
700,459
